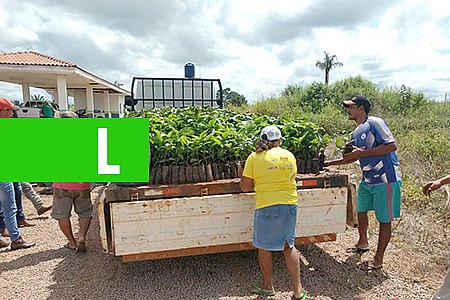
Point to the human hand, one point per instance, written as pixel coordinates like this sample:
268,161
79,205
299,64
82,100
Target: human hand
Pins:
349,147
354,155
431,186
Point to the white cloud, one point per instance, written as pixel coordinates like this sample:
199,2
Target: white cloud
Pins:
255,47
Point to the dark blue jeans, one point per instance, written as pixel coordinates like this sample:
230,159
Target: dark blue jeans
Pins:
20,216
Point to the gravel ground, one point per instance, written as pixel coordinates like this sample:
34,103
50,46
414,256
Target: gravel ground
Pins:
49,271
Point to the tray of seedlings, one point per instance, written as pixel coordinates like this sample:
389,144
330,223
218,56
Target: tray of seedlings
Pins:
198,151
195,144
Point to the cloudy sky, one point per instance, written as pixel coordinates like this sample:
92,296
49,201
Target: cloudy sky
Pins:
255,47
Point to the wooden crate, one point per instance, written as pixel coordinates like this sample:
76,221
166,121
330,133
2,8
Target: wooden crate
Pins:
115,193
160,228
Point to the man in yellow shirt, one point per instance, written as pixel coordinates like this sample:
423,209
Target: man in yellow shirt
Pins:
271,172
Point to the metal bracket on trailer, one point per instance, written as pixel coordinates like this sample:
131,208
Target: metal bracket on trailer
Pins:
134,195
204,192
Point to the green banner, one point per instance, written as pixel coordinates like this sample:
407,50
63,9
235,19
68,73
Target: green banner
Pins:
74,150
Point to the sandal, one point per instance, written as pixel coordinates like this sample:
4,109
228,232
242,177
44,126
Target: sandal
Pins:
356,249
255,289
81,248
371,266
67,246
302,297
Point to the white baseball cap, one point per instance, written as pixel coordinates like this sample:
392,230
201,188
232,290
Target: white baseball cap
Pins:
271,133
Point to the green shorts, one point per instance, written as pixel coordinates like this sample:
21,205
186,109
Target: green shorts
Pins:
384,199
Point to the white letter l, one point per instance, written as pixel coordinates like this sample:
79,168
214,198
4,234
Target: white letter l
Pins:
103,167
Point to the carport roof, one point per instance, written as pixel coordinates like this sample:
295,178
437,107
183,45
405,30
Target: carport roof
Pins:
41,71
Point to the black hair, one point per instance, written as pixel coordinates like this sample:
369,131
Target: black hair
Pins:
362,101
366,108
263,145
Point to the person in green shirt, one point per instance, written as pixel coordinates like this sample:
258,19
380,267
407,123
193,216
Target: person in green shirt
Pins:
47,110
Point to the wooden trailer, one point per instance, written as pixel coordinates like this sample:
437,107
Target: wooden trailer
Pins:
163,221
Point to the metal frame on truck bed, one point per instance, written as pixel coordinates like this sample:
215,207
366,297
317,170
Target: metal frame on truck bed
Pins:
148,92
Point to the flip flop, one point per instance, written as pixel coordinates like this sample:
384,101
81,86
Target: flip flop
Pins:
356,249
302,297
67,246
255,289
81,248
372,267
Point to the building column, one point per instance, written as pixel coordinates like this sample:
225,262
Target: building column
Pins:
25,92
108,105
90,102
61,87
117,102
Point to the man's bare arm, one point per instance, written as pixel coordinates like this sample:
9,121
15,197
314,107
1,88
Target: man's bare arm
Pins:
434,185
359,152
380,150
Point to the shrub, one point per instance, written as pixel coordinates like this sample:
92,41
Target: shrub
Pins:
333,120
403,100
421,127
275,107
344,89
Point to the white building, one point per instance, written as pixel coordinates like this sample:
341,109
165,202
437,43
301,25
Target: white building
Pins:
62,79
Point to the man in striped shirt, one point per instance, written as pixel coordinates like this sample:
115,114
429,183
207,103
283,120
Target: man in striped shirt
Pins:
380,188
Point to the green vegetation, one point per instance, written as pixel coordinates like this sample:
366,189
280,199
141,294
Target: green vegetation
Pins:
232,98
198,136
421,127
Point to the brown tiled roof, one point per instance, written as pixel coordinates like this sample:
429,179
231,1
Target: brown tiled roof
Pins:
32,58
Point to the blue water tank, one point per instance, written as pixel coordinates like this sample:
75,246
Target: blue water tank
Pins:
189,70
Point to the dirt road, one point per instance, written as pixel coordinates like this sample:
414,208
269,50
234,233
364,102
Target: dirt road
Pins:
50,271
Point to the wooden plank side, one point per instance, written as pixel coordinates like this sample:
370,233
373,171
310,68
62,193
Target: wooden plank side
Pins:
186,223
102,222
352,215
212,222
187,252
190,227
216,249
141,244
182,207
113,234
320,220
195,238
179,207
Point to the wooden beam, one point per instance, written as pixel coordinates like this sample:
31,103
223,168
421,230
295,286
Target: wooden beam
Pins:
187,252
218,249
352,215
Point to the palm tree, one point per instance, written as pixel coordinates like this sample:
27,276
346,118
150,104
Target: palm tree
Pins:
329,62
37,98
